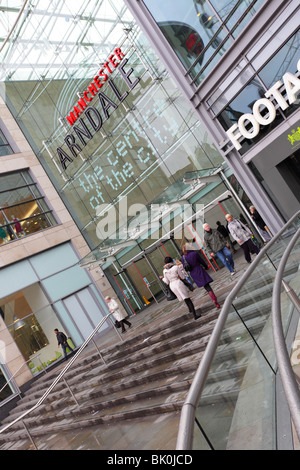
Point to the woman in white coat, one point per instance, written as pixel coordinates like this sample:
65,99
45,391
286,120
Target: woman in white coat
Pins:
118,315
172,276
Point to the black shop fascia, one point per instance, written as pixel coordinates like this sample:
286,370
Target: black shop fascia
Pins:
93,116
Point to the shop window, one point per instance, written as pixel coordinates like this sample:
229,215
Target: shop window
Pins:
5,148
31,321
23,209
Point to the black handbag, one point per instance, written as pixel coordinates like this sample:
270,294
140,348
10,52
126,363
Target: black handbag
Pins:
187,284
186,266
117,324
170,294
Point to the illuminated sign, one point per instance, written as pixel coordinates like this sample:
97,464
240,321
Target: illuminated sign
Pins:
259,117
81,133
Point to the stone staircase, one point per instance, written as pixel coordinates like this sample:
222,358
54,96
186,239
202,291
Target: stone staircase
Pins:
148,374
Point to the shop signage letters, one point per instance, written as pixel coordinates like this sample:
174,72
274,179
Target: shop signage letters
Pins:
292,87
82,109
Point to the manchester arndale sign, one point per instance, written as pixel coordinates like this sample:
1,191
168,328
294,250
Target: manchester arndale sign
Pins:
257,119
83,110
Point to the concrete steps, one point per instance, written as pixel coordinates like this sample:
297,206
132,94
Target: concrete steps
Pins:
149,373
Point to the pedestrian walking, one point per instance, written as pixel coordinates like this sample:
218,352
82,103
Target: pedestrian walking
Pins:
197,268
118,315
242,235
217,245
261,224
63,342
223,231
173,276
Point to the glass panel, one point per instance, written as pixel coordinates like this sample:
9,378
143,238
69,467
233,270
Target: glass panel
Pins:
66,282
92,308
236,410
127,292
54,260
16,277
192,29
237,406
235,22
76,312
145,281
11,181
5,387
254,305
5,148
68,323
14,196
276,251
284,61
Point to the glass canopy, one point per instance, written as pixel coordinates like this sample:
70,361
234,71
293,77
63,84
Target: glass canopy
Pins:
145,222
49,38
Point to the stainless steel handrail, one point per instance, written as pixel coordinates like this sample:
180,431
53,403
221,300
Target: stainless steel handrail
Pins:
55,382
188,412
287,374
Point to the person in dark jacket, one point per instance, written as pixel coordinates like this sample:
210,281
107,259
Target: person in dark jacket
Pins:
217,245
261,224
225,233
62,341
198,271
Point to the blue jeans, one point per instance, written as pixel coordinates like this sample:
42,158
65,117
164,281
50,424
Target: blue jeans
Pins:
64,347
225,257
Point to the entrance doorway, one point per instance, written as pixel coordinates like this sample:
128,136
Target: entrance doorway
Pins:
83,313
138,284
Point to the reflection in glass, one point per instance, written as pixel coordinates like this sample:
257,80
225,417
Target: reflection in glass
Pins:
200,31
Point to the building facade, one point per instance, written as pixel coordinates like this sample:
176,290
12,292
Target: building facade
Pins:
242,78
41,285
130,123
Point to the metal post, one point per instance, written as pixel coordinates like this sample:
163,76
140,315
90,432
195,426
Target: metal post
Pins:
71,391
99,351
292,295
29,435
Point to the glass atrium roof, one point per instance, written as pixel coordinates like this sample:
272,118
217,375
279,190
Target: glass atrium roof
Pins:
49,38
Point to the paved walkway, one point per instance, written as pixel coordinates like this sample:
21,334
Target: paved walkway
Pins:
149,433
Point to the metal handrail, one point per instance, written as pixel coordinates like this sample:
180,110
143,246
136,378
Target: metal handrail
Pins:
188,412
55,382
287,374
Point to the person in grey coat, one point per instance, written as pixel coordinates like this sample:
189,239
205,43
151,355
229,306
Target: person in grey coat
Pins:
217,245
242,234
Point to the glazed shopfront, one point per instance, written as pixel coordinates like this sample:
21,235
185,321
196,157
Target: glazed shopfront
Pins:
133,164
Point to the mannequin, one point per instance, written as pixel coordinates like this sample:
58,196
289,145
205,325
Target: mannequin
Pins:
3,234
18,227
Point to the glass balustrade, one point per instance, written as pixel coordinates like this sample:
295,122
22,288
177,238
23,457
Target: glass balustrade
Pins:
237,409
